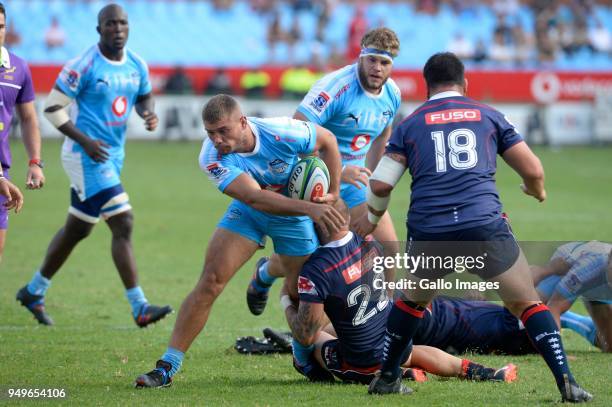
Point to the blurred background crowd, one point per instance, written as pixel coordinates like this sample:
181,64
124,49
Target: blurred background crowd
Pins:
307,37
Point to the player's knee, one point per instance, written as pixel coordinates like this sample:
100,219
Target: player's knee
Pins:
518,307
209,287
78,231
123,225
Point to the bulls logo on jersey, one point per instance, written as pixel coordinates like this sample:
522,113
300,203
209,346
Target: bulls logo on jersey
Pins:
119,105
306,286
72,79
360,141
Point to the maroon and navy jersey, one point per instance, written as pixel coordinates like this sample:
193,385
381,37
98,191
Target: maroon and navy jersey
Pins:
341,276
451,144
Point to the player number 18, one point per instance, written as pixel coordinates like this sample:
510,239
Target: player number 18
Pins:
462,146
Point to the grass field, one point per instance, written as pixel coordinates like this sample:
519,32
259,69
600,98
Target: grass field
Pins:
95,351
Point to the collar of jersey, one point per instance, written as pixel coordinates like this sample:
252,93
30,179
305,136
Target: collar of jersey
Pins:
338,243
257,143
447,94
368,94
5,58
110,61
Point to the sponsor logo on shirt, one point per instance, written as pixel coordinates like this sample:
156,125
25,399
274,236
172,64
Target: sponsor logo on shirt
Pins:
278,166
360,141
453,116
352,273
306,286
215,170
320,102
342,90
72,79
120,105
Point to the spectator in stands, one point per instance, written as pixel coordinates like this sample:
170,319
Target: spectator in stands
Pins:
219,83
12,37
293,36
262,6
502,28
480,52
55,37
222,5
461,46
178,83
563,34
335,59
275,34
523,45
428,6
501,51
546,49
299,5
599,37
506,7
254,83
357,29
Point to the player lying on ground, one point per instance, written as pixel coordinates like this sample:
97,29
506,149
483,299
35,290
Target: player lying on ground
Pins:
450,146
338,281
580,269
250,160
106,82
457,326
357,103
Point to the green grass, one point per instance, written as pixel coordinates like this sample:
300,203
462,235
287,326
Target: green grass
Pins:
95,351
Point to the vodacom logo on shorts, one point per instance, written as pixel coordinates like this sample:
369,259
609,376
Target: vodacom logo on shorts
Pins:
120,105
360,141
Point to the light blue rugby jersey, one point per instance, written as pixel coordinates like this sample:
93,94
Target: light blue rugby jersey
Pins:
588,262
278,144
105,92
339,103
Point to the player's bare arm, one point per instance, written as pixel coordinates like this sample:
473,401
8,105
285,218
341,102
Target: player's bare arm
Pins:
377,149
306,321
528,166
55,112
35,178
327,146
245,189
384,178
145,108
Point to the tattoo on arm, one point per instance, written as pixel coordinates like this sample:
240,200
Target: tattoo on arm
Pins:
306,321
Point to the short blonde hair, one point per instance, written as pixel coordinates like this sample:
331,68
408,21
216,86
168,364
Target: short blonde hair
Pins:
382,38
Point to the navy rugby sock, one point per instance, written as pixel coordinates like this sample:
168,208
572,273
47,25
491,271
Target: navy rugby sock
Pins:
545,336
402,324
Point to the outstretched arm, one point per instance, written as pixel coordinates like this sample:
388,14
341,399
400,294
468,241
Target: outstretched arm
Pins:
529,168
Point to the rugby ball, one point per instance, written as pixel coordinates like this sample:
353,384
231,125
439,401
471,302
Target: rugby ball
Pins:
309,179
